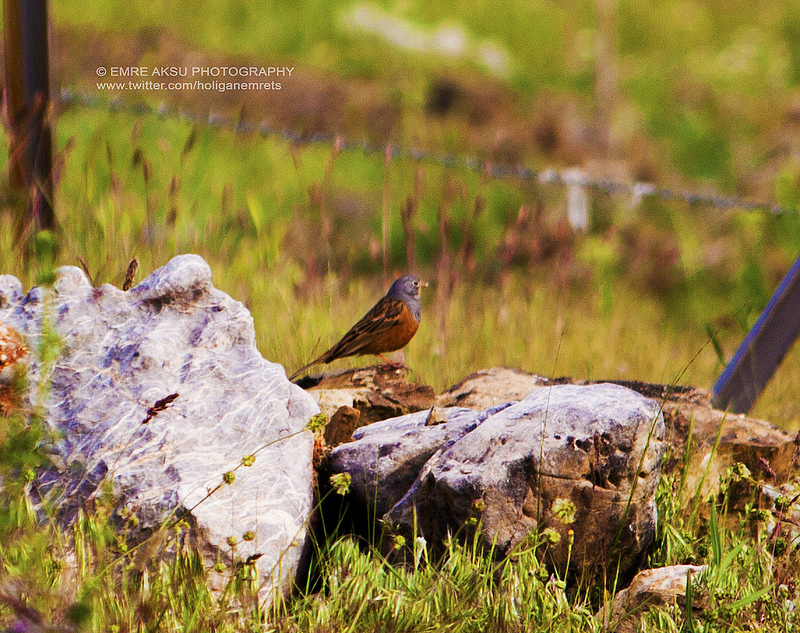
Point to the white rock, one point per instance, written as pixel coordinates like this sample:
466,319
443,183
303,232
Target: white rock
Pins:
123,352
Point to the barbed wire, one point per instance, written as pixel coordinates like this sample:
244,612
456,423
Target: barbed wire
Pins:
571,177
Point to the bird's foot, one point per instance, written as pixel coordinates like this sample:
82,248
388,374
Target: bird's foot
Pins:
393,364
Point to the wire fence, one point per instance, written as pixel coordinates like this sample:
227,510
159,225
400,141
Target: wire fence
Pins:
571,177
755,361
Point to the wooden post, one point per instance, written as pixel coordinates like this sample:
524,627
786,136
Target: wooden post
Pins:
763,348
15,93
28,105
607,79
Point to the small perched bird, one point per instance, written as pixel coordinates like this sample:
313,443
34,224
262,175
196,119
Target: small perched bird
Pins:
388,326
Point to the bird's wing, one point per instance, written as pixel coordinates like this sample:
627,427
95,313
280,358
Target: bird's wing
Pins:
383,316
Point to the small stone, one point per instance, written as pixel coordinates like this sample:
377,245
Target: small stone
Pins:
341,426
651,588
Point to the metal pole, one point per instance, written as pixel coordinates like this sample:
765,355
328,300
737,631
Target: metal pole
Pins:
763,348
15,93
28,103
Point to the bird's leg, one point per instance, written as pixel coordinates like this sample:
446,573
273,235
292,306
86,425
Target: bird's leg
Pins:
391,363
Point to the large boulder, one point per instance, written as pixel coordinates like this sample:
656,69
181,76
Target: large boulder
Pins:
510,469
161,392
702,442
386,457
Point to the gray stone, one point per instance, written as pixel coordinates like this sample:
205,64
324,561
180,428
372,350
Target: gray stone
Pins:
386,457
491,387
651,588
597,446
710,441
10,290
107,396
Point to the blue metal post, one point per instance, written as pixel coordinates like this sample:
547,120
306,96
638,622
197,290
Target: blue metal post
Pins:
763,348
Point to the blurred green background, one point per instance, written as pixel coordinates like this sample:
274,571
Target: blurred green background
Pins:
695,96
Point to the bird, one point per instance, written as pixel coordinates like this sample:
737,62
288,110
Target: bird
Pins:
388,326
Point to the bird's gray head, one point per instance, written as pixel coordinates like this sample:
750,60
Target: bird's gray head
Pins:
407,290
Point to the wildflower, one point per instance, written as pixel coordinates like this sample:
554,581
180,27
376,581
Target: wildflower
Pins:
341,483
564,510
317,422
551,536
420,548
739,471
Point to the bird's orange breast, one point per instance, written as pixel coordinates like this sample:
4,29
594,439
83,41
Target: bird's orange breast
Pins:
395,337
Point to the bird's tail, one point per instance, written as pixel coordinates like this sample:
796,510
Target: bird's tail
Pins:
316,361
300,371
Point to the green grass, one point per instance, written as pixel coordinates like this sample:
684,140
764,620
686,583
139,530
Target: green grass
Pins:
295,233
93,578
710,87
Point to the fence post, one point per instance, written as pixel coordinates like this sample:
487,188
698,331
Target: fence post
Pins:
28,104
763,348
